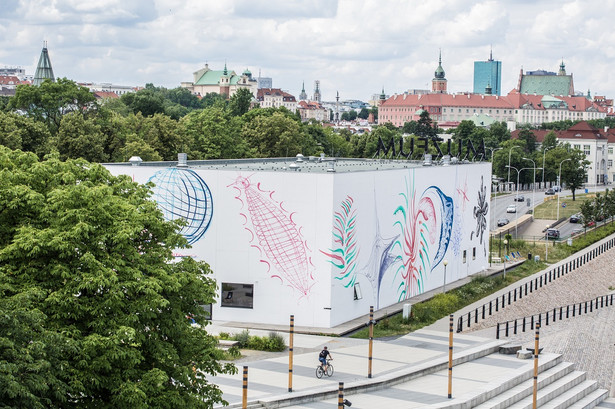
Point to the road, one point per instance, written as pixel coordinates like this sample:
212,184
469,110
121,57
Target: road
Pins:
500,203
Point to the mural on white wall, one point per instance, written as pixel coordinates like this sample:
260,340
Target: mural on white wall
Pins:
425,224
183,194
343,256
480,213
277,236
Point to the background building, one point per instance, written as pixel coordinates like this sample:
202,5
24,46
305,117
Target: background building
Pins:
275,98
225,82
546,83
322,239
44,70
488,74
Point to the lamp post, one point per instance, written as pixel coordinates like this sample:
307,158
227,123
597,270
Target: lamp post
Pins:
547,243
445,262
534,185
543,165
495,198
509,153
559,181
506,247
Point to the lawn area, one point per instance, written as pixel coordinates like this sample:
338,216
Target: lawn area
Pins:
548,209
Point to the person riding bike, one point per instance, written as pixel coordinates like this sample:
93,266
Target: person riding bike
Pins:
322,357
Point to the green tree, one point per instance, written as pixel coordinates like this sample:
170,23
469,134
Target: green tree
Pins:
213,134
239,103
92,304
549,142
79,137
146,101
20,132
277,136
574,171
529,138
50,101
165,135
364,114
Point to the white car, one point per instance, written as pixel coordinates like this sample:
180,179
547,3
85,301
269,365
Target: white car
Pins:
511,209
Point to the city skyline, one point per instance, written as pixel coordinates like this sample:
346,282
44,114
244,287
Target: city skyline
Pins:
356,48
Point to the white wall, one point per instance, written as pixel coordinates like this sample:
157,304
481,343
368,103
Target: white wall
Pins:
305,239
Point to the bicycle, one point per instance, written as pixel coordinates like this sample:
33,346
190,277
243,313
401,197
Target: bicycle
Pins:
320,370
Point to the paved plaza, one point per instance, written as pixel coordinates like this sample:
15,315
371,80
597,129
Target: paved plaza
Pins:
586,340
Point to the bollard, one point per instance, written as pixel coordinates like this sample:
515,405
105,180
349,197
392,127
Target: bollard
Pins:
450,358
469,320
371,343
515,298
568,311
526,288
506,329
340,396
560,313
476,316
515,330
497,331
244,400
509,298
489,308
483,311
536,342
290,353
523,330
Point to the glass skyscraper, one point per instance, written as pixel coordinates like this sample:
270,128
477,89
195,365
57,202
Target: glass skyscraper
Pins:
488,74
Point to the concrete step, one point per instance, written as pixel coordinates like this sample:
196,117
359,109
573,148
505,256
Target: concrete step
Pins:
525,388
608,403
592,400
573,395
551,390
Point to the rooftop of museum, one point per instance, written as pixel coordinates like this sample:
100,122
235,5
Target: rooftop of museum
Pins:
300,163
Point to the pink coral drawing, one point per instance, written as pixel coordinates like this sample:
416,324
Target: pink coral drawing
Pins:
278,236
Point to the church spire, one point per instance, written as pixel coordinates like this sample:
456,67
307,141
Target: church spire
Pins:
562,68
43,69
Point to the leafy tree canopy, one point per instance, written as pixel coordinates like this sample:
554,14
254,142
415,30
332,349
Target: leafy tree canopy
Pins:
92,308
50,101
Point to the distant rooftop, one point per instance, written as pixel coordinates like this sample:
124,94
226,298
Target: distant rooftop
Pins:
311,164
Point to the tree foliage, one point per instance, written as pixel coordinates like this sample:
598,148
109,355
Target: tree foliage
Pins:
92,308
50,101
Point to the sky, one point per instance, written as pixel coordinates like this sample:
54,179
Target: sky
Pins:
354,47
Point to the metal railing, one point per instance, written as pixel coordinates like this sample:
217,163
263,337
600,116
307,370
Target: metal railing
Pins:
542,319
494,305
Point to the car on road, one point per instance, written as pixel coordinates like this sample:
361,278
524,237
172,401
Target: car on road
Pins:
552,234
511,208
503,222
550,191
519,199
576,218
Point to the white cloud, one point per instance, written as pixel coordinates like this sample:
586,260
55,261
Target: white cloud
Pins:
352,46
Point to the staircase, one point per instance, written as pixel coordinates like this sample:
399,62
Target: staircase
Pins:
559,386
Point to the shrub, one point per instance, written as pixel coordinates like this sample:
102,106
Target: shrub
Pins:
224,335
276,342
243,337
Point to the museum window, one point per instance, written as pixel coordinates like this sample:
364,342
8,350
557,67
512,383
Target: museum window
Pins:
610,150
587,149
473,253
465,255
237,295
357,292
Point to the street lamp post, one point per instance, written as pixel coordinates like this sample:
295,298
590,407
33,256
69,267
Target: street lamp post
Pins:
495,198
506,247
534,185
543,165
445,262
559,181
547,243
509,153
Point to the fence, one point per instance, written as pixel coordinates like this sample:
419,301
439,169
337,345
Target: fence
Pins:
494,305
520,324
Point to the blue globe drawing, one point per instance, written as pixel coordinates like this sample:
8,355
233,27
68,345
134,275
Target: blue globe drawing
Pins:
182,193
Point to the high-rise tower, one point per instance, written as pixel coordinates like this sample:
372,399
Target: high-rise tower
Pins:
43,69
488,73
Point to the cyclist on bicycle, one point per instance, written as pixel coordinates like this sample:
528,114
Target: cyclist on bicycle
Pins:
322,357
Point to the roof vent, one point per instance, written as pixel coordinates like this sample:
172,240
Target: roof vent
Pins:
135,160
331,167
182,160
300,157
427,160
446,160
293,166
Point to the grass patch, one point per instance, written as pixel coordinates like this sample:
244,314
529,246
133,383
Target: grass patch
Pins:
441,305
548,209
274,342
